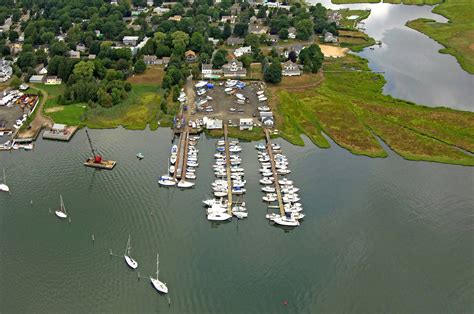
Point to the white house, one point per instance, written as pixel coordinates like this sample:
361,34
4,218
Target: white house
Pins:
239,52
289,68
52,80
246,124
130,40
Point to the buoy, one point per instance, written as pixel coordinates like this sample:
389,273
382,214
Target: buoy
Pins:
110,252
93,239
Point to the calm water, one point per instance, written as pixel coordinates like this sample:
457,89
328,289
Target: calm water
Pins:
414,69
381,235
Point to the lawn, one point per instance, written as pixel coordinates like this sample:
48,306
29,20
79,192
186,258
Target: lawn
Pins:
153,75
457,36
348,106
350,24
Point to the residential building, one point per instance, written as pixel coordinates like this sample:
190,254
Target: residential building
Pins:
43,71
234,69
91,56
208,72
227,18
289,68
190,56
330,38
239,52
235,9
134,27
37,79
74,54
150,3
160,11
246,124
81,47
130,40
52,80
150,59
176,18
234,41
273,39
296,48
291,33
6,70
257,29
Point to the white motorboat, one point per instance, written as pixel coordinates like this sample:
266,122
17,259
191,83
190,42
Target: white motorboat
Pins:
174,149
185,184
276,146
267,174
235,149
237,169
263,108
285,221
260,92
262,99
283,171
157,284
239,208
128,259
220,194
266,181
217,208
238,190
61,212
166,181
295,216
268,189
240,215
4,187
285,181
140,156
190,175
172,169
192,164
260,146
218,217
173,158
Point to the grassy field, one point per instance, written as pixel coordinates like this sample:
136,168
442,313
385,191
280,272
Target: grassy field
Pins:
234,132
350,24
153,75
350,108
457,36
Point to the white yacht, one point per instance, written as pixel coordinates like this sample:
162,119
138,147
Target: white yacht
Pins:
166,181
185,184
128,259
4,187
157,284
218,217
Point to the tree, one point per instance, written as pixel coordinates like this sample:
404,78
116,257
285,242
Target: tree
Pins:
139,66
240,29
180,39
196,42
262,12
292,56
227,30
304,29
220,58
105,100
27,59
84,69
13,36
252,40
283,33
273,72
162,51
311,58
58,49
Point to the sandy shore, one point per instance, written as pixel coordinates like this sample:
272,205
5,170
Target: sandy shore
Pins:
333,51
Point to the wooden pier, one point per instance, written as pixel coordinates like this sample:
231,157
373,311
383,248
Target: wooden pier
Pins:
227,166
178,157
185,153
275,174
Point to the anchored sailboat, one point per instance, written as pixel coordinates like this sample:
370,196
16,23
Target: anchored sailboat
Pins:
4,187
128,259
160,286
61,212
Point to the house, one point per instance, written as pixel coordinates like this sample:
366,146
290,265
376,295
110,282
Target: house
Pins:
257,29
16,48
208,72
234,69
113,2
330,38
91,56
176,18
289,68
43,71
53,80
227,18
130,40
214,41
235,9
212,124
6,70
160,11
74,54
150,3
81,47
239,52
234,41
190,56
150,59
291,33
296,48
267,118
37,79
165,61
246,124
334,17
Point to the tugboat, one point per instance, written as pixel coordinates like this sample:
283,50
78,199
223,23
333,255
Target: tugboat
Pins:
96,161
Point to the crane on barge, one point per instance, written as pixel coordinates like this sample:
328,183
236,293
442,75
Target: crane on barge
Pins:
96,161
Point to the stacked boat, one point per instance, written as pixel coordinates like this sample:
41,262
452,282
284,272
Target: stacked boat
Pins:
290,198
217,207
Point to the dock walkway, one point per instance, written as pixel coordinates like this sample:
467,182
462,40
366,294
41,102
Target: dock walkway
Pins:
227,163
275,174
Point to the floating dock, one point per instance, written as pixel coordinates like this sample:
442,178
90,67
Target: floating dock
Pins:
227,166
103,164
275,174
185,154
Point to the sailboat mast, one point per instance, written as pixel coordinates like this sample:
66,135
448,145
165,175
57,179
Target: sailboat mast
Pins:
157,259
127,249
90,143
63,208
4,177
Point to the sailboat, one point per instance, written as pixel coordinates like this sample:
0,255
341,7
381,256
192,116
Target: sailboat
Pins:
160,286
4,187
61,212
130,261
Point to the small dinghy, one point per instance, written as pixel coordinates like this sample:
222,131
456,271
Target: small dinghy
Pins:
140,156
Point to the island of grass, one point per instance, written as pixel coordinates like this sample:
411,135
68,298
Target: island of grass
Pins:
348,106
457,36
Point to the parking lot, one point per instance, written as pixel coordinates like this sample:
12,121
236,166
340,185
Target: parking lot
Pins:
8,116
226,105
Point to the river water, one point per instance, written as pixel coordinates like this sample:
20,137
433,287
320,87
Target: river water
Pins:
411,62
381,235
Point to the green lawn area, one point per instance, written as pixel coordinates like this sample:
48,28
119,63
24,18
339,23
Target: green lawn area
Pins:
350,108
457,35
142,107
349,24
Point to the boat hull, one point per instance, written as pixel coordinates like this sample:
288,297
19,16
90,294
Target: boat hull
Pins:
131,262
159,286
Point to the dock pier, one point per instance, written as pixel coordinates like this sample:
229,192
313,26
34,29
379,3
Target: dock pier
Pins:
185,154
275,174
227,166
